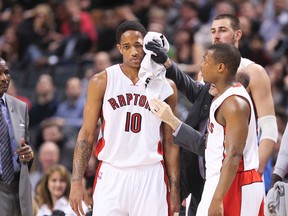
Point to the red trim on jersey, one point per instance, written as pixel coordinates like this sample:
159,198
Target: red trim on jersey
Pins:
99,146
232,199
101,143
167,188
96,176
237,84
160,148
261,211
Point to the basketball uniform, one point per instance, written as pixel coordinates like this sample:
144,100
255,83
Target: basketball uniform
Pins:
131,172
245,63
245,196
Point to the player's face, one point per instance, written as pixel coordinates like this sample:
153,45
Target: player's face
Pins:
131,47
222,32
208,67
4,77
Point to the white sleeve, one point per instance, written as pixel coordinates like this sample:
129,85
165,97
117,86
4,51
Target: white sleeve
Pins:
281,166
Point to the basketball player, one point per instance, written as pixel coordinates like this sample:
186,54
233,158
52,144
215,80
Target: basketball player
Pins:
130,178
233,186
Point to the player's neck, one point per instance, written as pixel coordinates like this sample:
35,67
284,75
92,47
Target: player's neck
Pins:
130,72
222,87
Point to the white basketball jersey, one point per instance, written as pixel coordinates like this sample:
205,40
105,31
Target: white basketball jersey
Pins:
244,63
131,132
215,150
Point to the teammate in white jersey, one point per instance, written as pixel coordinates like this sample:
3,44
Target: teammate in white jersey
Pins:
130,178
231,150
233,186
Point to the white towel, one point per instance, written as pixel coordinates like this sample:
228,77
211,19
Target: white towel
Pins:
153,74
276,201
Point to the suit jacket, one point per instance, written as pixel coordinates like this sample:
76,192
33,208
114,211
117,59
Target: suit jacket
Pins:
18,112
198,94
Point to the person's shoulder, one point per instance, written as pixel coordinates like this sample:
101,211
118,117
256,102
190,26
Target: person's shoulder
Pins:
99,76
12,99
254,69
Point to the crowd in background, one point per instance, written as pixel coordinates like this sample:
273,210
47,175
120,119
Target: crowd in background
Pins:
53,47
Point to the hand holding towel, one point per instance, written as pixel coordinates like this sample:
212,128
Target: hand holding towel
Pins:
152,73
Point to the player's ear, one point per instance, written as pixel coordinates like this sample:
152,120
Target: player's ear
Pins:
238,35
221,67
119,48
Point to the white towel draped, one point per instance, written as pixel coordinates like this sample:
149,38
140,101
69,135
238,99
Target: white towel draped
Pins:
153,74
276,201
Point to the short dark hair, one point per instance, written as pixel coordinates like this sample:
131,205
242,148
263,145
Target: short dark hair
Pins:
234,21
227,54
129,25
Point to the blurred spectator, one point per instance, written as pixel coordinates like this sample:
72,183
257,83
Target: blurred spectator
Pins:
11,17
45,102
157,20
172,13
250,10
101,61
141,10
277,73
107,31
37,33
187,53
54,129
257,51
71,109
13,90
277,47
72,48
83,18
51,129
9,46
48,156
274,22
188,19
53,192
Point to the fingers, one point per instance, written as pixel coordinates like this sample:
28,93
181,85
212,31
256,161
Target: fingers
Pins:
158,107
77,207
25,152
27,156
88,201
156,103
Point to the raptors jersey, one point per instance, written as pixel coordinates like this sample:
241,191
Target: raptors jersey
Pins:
131,132
215,151
244,63
247,183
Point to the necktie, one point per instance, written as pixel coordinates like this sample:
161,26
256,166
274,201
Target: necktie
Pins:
5,149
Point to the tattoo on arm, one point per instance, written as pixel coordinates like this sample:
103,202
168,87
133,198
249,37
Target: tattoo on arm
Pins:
174,183
82,155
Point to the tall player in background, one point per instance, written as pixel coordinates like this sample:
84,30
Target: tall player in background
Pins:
130,175
226,29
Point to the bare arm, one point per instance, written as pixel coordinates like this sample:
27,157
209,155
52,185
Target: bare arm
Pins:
172,158
85,139
234,114
260,90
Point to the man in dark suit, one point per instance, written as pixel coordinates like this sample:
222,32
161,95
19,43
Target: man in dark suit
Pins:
16,156
192,161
